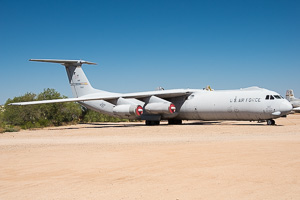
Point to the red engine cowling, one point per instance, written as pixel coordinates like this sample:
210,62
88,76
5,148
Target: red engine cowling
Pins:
128,110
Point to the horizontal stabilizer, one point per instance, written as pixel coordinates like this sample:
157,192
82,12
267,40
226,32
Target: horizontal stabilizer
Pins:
64,62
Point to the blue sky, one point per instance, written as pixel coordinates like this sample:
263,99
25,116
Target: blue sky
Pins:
140,45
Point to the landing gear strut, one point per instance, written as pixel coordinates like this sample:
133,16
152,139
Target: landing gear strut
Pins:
270,122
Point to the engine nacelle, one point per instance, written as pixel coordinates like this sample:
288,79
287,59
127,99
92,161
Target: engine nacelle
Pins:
128,110
160,108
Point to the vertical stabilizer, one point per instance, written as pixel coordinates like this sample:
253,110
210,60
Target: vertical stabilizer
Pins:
290,95
79,83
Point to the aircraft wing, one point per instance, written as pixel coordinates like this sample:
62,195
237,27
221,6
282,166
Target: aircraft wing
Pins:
296,109
111,96
49,101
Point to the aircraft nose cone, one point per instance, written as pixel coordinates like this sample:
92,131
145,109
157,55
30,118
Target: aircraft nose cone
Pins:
286,107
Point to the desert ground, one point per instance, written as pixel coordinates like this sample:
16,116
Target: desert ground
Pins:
196,160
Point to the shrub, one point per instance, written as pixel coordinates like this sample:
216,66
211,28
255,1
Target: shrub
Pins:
12,129
42,115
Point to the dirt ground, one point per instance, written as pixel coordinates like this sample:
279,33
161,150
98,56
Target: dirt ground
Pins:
196,160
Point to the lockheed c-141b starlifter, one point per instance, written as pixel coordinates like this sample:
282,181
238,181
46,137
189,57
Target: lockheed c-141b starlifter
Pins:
248,104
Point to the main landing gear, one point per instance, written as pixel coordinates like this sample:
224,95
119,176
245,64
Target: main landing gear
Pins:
271,122
170,121
152,122
174,121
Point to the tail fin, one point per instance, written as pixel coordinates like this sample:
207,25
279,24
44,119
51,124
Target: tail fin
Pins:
290,95
79,83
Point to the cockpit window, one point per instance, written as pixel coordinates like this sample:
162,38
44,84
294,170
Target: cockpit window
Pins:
277,96
272,97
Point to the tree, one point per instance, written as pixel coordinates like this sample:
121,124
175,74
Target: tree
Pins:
42,115
20,115
58,113
1,119
1,113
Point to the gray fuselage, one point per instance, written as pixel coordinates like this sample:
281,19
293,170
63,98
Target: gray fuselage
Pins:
244,104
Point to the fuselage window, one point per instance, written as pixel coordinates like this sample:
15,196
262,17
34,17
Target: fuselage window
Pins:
271,97
267,97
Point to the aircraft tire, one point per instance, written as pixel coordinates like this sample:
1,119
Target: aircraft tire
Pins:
174,121
271,122
152,123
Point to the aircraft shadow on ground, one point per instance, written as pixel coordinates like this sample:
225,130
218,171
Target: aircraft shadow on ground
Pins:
128,125
219,123
115,125
224,123
200,123
264,124
242,124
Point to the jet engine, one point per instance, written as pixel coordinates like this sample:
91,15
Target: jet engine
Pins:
128,110
160,108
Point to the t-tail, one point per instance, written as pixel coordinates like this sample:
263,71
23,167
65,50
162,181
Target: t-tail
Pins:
290,95
79,83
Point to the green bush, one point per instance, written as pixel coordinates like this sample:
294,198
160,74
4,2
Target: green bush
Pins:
1,119
11,129
42,115
18,115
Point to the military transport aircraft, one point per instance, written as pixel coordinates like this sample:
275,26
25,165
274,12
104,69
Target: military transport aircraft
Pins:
294,101
249,104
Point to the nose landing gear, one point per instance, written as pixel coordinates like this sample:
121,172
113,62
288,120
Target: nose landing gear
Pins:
271,122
